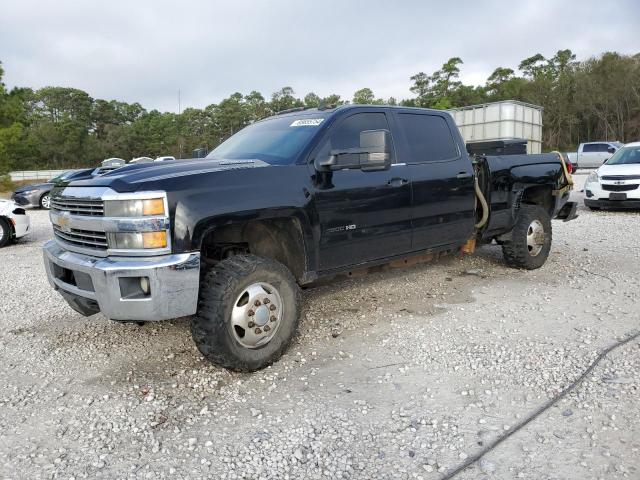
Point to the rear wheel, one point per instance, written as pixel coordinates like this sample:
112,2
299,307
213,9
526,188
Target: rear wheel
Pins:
247,313
45,201
5,232
530,241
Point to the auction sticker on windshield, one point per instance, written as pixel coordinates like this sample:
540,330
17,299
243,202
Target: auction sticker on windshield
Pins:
307,122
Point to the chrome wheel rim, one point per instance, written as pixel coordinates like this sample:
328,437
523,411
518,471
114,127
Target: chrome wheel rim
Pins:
1,233
256,315
46,201
535,238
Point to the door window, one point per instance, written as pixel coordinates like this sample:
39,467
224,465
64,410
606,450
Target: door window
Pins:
347,133
428,138
595,148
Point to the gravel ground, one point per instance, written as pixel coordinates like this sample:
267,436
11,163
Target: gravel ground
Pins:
403,373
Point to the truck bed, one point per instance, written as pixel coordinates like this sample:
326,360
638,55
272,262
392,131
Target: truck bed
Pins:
506,174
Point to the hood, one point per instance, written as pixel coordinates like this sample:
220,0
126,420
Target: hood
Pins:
628,169
35,186
131,177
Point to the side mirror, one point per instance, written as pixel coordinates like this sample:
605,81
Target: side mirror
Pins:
611,150
377,143
373,154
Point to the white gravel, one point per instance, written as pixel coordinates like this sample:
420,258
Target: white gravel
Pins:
400,374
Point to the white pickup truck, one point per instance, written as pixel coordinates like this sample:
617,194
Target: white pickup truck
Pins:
593,154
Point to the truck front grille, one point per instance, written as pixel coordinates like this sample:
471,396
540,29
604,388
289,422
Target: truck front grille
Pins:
92,207
619,188
82,238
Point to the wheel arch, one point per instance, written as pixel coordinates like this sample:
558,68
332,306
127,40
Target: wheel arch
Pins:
541,195
280,238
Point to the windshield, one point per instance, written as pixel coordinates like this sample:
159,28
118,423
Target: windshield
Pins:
625,156
277,141
62,176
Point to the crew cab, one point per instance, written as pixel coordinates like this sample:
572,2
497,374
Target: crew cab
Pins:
229,239
593,154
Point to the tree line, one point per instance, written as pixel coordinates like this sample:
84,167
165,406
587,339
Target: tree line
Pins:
59,127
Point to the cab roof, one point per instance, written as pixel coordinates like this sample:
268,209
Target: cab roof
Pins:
341,108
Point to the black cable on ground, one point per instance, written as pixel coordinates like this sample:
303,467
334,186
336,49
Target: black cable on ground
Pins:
539,411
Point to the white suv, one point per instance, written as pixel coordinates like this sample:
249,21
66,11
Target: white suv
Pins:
616,183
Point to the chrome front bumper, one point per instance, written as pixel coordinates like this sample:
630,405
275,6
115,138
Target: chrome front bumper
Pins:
92,284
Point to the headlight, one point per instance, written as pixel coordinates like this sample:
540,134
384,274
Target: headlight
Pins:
27,192
593,178
134,208
137,221
136,241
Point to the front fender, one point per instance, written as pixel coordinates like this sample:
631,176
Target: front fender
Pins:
207,202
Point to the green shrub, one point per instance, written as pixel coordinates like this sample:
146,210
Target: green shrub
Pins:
6,184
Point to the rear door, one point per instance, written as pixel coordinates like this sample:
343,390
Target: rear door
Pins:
363,216
442,179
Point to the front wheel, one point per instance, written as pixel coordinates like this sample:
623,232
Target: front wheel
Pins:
45,201
248,312
530,241
5,232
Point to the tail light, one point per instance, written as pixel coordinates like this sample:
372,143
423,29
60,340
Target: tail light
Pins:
569,165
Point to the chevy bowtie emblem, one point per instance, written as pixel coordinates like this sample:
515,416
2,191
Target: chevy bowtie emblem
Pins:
619,182
63,223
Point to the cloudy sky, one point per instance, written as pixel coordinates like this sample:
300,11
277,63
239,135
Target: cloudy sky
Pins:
146,51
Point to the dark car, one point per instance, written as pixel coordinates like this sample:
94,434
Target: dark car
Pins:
37,195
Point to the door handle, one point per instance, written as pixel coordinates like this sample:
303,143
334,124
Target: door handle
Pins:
397,182
463,175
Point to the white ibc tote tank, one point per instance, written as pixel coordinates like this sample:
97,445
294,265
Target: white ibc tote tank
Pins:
501,121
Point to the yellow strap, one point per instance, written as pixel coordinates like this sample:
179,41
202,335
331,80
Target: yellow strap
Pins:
567,175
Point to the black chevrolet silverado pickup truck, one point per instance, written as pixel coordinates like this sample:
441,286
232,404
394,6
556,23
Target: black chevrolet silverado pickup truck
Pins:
229,239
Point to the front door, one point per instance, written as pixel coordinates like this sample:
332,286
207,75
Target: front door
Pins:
363,216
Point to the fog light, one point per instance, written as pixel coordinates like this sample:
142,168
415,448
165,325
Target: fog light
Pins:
134,288
144,285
